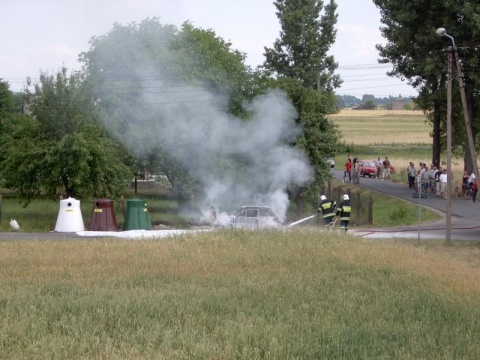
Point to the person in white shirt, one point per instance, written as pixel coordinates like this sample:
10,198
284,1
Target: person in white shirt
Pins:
443,183
471,178
423,177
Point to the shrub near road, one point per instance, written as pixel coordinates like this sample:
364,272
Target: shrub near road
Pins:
236,294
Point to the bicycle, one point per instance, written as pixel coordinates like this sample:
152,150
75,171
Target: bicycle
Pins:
355,177
468,193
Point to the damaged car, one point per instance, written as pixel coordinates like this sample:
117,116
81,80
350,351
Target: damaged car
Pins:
256,217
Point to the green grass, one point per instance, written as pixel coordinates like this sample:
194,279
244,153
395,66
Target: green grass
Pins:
41,214
389,212
232,294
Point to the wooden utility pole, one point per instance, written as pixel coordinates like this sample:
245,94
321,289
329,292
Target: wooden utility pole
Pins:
468,126
466,115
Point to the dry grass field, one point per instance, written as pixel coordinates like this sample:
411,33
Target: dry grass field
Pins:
402,135
377,127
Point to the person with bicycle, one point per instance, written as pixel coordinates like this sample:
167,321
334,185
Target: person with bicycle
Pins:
355,171
347,175
474,189
471,178
472,186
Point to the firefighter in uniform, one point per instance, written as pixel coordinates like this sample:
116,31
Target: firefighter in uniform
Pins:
343,211
327,208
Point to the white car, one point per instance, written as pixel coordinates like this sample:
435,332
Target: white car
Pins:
256,217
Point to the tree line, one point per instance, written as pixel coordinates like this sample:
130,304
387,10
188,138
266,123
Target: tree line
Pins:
369,101
75,132
87,133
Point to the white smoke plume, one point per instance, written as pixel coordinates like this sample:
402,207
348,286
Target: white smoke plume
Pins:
191,124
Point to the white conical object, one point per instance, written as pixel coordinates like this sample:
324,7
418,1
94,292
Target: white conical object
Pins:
14,224
69,216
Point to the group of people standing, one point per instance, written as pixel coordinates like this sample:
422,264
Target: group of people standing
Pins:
351,166
470,182
382,168
434,180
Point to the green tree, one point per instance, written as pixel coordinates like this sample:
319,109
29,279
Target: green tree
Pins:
308,32
320,137
165,88
61,149
415,51
369,104
300,61
6,99
149,75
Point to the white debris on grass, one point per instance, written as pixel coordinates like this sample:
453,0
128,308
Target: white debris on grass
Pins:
137,234
14,224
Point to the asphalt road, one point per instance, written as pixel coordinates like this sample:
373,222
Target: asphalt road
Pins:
465,221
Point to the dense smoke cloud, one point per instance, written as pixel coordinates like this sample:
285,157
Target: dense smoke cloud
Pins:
191,124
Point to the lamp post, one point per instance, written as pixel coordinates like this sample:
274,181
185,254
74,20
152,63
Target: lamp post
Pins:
468,127
448,225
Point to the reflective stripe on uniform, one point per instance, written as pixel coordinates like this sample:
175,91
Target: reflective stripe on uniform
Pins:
346,210
327,208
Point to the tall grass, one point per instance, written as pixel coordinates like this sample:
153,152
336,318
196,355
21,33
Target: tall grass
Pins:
300,294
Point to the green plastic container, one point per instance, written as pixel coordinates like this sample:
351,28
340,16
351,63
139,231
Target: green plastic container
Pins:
136,216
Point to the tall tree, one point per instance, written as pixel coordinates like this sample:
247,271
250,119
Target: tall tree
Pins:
183,100
150,77
415,51
307,33
61,149
6,99
319,139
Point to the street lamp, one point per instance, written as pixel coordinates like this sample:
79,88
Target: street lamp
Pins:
448,225
443,32
468,126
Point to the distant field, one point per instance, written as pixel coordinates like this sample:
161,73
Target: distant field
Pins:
402,135
377,127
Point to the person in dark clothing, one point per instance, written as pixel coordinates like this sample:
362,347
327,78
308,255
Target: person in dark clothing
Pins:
475,189
327,209
344,211
465,178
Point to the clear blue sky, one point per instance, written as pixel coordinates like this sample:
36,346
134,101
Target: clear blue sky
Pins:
46,35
